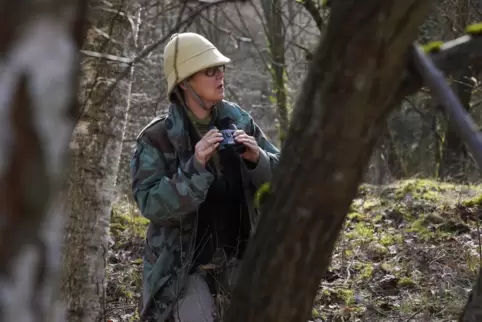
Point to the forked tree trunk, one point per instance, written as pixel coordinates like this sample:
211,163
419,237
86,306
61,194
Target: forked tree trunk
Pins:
344,101
39,43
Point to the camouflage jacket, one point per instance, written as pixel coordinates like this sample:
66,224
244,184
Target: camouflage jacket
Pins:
168,186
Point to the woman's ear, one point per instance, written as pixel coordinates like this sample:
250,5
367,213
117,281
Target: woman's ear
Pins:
185,82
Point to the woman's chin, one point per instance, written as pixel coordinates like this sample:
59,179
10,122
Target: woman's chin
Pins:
218,97
214,98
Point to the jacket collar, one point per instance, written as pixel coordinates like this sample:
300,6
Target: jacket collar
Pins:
178,131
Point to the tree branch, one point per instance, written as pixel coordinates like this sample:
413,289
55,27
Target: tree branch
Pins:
314,11
464,125
340,110
150,48
457,53
451,56
106,56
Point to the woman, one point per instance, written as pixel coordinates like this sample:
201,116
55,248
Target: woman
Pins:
196,191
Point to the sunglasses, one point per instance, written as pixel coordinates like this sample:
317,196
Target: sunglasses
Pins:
211,71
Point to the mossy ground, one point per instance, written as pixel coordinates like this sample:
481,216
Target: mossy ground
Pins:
409,251
124,267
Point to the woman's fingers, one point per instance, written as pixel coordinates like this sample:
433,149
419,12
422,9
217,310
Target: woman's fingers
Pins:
210,144
214,147
211,138
244,138
213,134
211,141
239,132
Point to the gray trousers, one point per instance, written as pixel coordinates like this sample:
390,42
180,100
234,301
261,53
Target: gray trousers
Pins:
197,303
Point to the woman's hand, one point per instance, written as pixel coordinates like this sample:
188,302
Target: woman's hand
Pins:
252,149
205,148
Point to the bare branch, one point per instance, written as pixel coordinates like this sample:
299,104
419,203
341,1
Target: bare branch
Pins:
475,104
106,35
106,56
156,44
451,56
456,54
229,32
314,11
117,12
463,124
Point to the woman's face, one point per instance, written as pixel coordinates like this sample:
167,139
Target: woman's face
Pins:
209,84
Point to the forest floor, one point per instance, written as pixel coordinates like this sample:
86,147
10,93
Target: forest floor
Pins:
410,251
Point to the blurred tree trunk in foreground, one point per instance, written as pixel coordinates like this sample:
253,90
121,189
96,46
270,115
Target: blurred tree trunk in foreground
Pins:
39,63
346,96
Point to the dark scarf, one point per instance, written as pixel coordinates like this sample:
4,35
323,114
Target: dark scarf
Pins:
223,217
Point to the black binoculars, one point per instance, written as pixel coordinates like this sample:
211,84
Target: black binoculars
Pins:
228,142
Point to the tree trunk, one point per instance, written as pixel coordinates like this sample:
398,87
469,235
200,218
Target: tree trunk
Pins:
96,148
273,13
393,160
454,153
343,103
148,93
472,311
39,45
122,181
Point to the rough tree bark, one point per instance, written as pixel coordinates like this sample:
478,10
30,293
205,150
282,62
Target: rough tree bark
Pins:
131,46
345,98
39,43
96,149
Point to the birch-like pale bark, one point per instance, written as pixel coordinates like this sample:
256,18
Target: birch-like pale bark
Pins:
96,148
39,44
